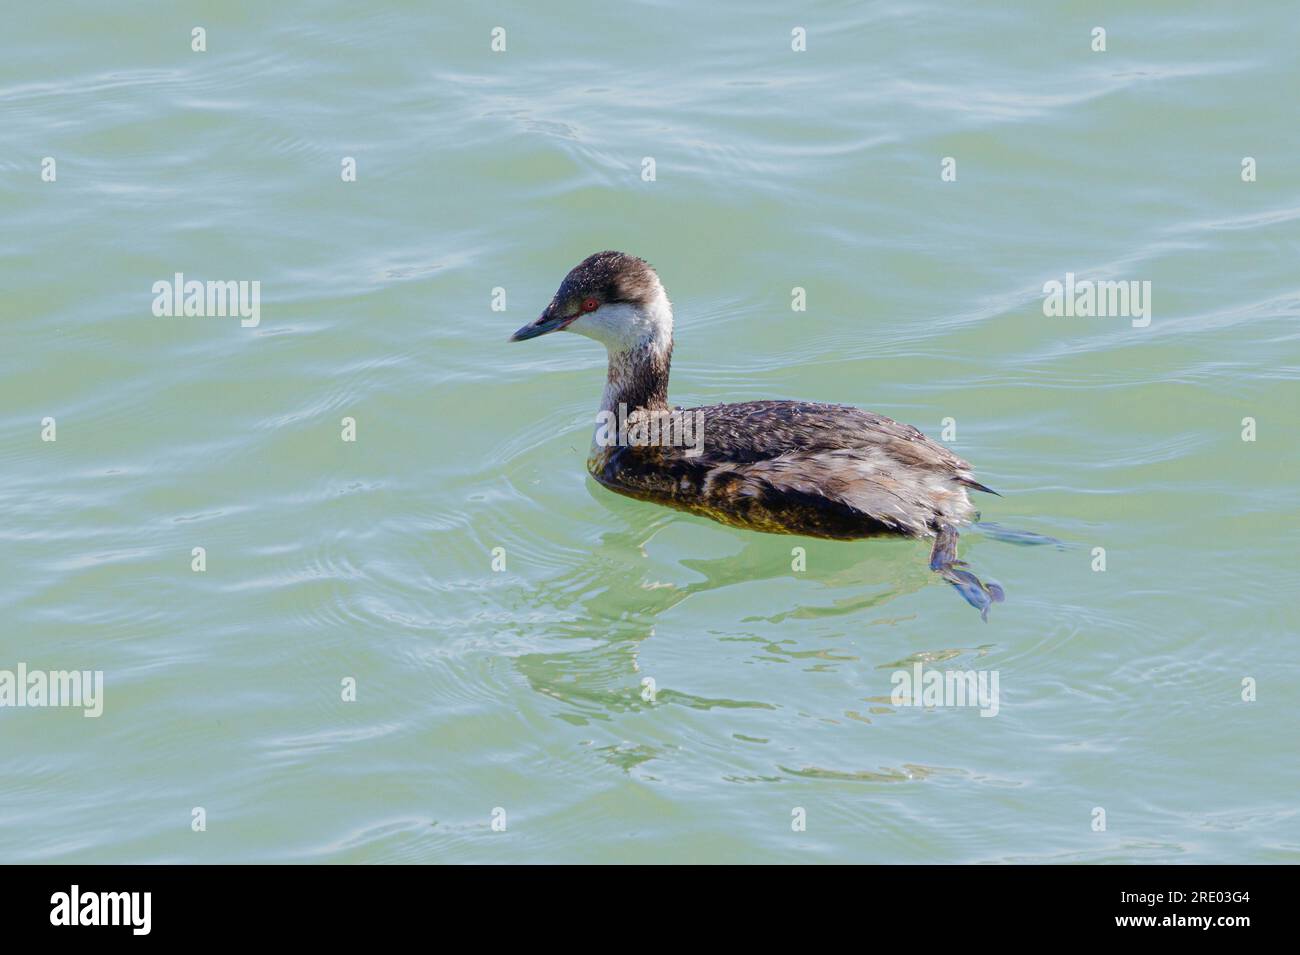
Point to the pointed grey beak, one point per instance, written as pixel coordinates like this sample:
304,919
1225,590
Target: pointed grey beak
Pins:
550,321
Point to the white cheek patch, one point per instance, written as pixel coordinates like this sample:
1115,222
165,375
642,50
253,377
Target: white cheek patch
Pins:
619,327
622,327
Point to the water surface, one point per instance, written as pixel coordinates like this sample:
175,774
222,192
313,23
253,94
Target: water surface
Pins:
522,689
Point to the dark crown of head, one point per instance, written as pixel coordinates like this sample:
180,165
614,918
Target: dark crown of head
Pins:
611,277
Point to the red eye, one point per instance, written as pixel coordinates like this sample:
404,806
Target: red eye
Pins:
590,305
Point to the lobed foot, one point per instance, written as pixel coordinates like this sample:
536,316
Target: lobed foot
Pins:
944,562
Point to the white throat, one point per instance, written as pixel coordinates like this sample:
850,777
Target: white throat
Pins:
638,338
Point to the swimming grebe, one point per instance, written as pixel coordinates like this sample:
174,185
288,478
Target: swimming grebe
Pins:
786,467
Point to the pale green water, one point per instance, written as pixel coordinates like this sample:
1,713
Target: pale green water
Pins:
521,689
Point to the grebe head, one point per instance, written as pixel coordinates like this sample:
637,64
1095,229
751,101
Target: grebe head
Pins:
616,299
